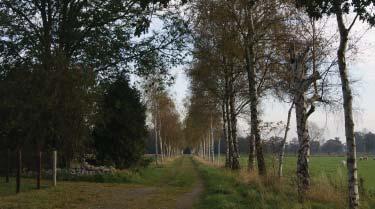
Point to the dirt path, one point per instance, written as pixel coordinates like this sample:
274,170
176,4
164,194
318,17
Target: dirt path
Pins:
170,195
119,198
187,200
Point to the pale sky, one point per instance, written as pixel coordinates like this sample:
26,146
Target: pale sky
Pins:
362,68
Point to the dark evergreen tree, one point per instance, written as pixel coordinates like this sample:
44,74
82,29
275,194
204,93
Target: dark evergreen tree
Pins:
120,131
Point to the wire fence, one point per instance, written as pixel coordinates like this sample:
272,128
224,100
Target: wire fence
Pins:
28,164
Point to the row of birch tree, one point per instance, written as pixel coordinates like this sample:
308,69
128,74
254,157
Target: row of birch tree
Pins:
246,50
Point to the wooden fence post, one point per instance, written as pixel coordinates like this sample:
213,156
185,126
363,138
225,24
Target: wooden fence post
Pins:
39,169
19,170
8,167
54,169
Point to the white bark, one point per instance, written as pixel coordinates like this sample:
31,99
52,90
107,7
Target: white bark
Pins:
218,152
156,139
282,150
208,146
348,112
212,141
160,139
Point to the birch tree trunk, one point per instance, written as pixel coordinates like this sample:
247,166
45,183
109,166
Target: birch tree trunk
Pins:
212,141
161,147
230,139
160,139
209,146
282,148
156,137
250,68
251,160
235,153
213,148
204,149
201,149
303,175
218,151
227,157
301,84
348,113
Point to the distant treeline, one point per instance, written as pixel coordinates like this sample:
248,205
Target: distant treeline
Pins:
365,142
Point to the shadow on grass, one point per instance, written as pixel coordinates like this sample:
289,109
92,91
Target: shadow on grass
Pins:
27,184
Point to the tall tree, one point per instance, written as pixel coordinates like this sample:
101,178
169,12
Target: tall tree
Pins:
68,45
218,68
304,80
170,124
28,108
363,10
256,23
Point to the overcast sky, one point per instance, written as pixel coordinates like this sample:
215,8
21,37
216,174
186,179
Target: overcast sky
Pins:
333,123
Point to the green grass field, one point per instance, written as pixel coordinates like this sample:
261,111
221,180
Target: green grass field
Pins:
333,169
322,166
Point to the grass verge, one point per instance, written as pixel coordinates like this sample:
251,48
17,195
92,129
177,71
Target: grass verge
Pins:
226,189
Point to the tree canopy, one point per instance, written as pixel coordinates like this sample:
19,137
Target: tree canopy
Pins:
318,8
